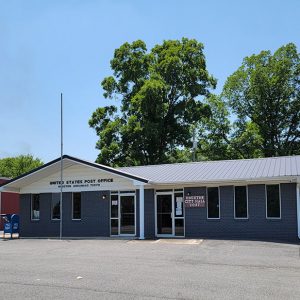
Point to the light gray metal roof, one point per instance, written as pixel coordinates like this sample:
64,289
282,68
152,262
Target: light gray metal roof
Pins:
216,171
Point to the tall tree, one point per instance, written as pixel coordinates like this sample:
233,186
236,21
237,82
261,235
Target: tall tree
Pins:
264,95
160,99
14,166
221,136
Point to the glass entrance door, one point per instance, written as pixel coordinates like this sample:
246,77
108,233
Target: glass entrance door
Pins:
164,214
127,215
170,214
122,214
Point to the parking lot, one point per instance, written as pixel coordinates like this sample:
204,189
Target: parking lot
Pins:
167,269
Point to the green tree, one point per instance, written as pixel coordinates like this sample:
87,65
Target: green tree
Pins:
223,137
264,95
160,99
14,166
214,133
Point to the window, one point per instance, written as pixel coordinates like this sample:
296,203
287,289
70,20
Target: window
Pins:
240,202
273,201
179,213
35,207
76,206
114,215
122,213
55,207
213,203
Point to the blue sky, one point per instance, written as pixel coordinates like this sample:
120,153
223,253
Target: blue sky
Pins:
49,47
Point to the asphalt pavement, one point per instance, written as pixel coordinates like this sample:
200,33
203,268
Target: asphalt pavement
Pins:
126,269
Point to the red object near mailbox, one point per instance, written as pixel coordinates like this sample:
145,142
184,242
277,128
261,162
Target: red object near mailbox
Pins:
9,202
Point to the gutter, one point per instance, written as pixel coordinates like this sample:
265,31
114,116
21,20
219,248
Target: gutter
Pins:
262,180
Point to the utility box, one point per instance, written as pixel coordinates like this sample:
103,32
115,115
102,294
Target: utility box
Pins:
11,225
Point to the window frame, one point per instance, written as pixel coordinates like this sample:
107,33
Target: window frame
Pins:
119,194
247,198
172,192
219,202
114,193
31,210
266,202
55,220
72,212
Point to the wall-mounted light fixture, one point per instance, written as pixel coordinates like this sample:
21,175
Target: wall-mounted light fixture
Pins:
189,193
103,196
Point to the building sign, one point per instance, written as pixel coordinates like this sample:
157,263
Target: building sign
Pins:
81,182
194,201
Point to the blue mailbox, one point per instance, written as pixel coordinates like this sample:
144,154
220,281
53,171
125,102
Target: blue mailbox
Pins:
11,224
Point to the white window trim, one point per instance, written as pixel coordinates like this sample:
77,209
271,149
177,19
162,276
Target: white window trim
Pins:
266,202
73,206
208,218
31,198
247,198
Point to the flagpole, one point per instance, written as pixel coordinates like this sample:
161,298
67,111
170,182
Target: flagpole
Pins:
61,165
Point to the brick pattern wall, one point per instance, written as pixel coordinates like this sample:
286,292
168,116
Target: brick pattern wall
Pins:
94,216
255,227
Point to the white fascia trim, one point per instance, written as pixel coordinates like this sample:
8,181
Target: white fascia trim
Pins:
9,190
78,163
139,183
281,179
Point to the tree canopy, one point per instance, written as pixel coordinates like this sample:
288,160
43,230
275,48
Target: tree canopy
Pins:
165,93
160,95
14,166
265,93
258,112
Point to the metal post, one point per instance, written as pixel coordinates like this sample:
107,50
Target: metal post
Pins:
61,166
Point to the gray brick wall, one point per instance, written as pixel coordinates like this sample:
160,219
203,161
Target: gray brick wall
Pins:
256,227
149,214
45,227
94,216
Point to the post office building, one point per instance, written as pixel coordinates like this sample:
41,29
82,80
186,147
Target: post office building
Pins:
232,199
